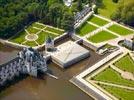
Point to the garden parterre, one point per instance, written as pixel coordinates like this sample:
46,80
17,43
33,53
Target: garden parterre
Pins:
112,81
41,30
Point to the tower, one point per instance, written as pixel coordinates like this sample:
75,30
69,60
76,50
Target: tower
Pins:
33,61
49,44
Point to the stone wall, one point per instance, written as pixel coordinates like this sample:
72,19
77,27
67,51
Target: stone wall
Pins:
84,42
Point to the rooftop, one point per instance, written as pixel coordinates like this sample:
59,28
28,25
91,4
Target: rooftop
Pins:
69,53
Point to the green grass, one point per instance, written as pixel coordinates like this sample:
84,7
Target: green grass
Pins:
121,94
101,37
38,25
85,29
19,38
43,36
54,30
32,30
126,63
108,7
120,30
30,43
98,21
111,76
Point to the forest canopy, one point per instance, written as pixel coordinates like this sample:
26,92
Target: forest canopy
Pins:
16,14
125,13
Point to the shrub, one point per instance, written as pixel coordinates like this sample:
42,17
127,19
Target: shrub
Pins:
115,1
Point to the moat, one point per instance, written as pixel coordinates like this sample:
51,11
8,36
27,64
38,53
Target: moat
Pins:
48,89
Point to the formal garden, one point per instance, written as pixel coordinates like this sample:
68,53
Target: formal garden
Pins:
85,29
115,78
126,63
120,30
101,37
98,21
97,29
90,25
36,34
121,94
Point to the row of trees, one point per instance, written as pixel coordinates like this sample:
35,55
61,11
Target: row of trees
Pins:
125,13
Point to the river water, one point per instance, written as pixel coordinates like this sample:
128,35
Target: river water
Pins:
48,89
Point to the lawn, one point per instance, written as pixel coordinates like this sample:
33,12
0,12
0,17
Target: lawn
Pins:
31,43
38,25
19,38
108,7
126,63
121,94
120,30
98,21
101,37
85,29
43,36
111,76
54,30
32,30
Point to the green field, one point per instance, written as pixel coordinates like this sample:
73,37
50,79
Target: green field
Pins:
34,29
121,94
98,21
85,29
108,7
120,30
111,76
101,37
126,63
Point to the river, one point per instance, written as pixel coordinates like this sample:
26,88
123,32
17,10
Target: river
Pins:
48,89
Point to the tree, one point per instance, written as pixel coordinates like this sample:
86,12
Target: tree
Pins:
125,13
68,21
79,5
